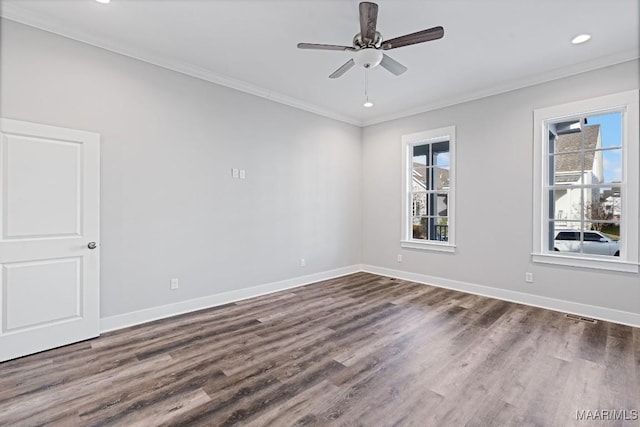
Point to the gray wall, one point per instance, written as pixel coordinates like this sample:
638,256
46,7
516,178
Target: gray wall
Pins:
169,141
315,188
494,195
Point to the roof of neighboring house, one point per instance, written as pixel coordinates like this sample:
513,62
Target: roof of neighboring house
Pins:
443,175
572,142
610,193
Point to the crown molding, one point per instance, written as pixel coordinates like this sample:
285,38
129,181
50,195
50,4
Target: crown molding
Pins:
556,74
13,12
18,14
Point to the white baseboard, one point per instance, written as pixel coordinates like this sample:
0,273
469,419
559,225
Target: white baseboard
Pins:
602,313
155,313
120,321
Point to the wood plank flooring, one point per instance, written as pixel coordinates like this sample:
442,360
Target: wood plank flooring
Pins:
357,350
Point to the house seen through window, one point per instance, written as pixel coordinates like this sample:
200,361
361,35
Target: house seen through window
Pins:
587,177
585,184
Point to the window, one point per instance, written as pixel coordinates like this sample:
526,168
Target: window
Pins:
428,190
586,163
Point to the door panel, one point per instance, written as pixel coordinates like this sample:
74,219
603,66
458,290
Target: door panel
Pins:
57,282
41,176
49,198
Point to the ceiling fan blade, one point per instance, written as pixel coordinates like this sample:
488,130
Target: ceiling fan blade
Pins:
340,71
323,46
392,65
414,38
368,21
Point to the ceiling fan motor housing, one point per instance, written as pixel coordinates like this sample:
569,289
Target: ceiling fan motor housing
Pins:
368,58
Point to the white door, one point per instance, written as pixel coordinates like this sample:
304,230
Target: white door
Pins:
49,217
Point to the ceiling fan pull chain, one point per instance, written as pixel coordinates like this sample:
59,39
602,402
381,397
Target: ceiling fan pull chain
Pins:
366,83
367,103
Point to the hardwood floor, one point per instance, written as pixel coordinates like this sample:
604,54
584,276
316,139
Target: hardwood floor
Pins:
357,350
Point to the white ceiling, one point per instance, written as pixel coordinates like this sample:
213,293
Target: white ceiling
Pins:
490,46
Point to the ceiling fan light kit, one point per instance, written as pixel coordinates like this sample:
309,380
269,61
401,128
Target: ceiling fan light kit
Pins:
368,57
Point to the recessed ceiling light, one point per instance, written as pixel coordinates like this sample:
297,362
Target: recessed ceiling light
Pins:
103,1
367,104
581,38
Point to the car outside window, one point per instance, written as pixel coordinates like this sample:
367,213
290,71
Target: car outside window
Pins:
567,235
593,237
588,176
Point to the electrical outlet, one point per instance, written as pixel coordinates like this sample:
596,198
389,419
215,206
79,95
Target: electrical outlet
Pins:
303,262
243,174
173,285
399,258
528,277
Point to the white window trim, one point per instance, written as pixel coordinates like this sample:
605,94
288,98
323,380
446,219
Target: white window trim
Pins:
628,104
447,133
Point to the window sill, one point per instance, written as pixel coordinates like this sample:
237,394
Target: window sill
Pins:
586,262
428,246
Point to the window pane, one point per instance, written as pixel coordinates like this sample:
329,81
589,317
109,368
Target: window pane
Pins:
430,228
441,230
609,126
611,161
419,204
442,158
566,169
592,171
419,225
441,201
566,237
421,153
567,136
437,204
442,178
596,242
420,181
565,204
420,158
603,204
611,230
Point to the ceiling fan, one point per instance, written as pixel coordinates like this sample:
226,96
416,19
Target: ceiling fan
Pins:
368,44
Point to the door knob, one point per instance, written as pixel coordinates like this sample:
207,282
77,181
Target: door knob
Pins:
92,245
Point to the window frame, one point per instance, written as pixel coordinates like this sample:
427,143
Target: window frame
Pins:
627,103
447,133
